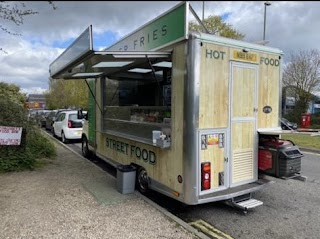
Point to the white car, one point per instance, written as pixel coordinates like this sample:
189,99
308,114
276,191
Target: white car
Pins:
67,126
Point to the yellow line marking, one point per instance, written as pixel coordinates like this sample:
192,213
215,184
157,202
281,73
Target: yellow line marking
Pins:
209,230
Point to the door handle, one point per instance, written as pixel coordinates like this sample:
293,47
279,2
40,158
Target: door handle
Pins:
226,159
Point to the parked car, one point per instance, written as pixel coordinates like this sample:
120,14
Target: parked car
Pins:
32,113
51,118
67,126
287,125
41,116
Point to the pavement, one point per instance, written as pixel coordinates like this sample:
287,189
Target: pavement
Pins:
70,197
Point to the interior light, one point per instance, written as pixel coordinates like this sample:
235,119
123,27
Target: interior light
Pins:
128,56
112,63
140,70
87,74
167,64
159,73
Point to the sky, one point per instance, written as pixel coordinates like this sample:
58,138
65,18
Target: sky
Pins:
291,26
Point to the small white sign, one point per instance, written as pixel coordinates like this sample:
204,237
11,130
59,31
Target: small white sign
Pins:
10,135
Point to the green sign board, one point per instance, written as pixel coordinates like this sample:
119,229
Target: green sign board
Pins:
166,29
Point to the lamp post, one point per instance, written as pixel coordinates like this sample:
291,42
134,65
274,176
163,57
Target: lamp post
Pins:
265,18
202,11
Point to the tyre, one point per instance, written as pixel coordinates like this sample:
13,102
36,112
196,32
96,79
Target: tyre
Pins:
142,181
84,148
52,131
63,138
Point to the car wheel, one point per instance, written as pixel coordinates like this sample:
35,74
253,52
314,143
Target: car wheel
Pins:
85,148
63,138
142,181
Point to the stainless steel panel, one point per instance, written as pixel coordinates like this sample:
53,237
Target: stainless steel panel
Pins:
191,121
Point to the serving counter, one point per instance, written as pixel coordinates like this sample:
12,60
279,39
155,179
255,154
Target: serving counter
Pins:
138,123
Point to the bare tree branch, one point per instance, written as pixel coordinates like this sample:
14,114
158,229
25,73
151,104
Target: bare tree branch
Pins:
215,25
15,12
302,77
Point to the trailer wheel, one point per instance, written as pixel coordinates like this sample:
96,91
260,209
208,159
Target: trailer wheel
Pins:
142,180
85,148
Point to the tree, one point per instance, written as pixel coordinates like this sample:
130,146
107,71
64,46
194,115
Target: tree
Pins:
216,26
67,93
34,145
15,12
12,92
12,105
301,76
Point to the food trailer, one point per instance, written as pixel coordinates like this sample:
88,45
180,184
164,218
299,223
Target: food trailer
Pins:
186,109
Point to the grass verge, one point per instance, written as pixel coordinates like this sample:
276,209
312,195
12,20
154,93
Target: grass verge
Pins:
303,140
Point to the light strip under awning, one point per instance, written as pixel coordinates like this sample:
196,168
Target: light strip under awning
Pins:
163,64
140,70
89,74
139,56
112,63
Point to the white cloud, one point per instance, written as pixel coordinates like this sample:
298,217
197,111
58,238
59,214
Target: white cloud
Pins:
291,26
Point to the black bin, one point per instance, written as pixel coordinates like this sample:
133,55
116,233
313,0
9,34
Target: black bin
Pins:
279,158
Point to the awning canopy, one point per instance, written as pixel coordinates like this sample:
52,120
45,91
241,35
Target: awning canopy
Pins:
98,63
140,49
80,61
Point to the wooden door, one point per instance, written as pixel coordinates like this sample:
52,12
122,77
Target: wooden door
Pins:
243,114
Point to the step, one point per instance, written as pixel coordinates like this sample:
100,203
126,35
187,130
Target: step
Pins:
247,204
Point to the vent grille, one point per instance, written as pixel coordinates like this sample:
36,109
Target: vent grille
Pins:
242,169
